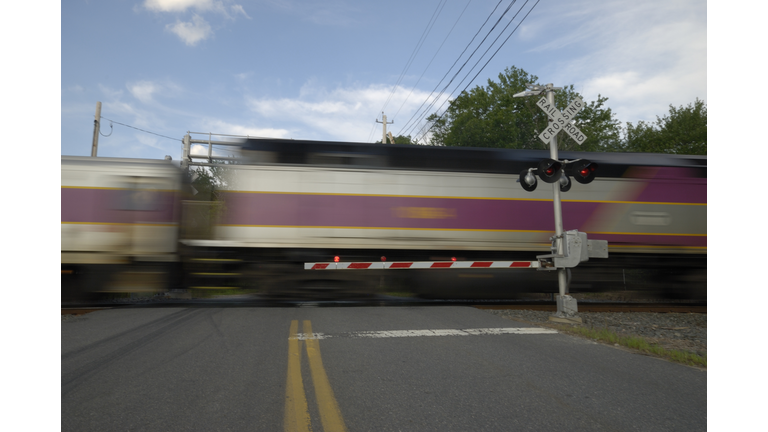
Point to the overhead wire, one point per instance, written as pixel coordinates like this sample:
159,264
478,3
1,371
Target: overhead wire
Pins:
434,101
419,117
433,59
416,50
423,136
134,127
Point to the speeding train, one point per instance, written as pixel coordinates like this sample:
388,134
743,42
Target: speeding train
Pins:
127,223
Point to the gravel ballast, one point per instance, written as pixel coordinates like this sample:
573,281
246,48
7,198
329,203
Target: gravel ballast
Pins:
673,331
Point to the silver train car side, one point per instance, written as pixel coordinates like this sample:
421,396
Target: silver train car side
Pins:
292,202
119,224
304,201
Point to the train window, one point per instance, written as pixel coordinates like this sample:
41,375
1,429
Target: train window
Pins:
138,194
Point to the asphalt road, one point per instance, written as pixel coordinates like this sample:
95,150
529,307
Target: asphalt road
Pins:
358,369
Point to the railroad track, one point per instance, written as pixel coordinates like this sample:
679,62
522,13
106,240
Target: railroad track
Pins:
609,307
526,305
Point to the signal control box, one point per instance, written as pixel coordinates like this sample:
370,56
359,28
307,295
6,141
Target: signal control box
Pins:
576,249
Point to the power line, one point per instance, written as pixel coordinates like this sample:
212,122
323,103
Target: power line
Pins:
476,63
424,34
133,127
420,116
433,58
489,60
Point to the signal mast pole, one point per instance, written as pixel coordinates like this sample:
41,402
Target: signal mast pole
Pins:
566,305
561,273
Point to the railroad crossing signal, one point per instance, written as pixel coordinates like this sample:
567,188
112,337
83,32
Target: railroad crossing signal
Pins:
550,171
583,171
561,121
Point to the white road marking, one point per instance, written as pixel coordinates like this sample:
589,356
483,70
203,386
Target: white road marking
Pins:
415,333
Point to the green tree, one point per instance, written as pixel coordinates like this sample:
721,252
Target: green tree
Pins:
401,139
205,206
209,180
491,117
682,131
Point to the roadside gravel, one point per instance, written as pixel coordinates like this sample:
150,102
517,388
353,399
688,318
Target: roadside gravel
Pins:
673,331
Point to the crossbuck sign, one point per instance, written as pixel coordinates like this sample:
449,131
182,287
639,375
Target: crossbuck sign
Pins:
561,121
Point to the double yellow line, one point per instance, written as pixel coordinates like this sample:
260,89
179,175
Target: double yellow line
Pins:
296,409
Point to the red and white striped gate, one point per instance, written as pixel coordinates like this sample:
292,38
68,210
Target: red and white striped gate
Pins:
419,265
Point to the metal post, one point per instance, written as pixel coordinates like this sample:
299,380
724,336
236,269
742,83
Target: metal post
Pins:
561,276
564,301
185,152
96,128
566,305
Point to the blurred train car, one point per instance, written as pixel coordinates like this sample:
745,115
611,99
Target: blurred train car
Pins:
293,202
119,225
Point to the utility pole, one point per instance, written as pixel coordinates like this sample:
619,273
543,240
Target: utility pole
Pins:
384,125
185,152
96,128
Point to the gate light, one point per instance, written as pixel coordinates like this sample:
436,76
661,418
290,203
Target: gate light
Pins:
550,170
583,171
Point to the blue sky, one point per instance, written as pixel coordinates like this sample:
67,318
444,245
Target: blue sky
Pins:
325,70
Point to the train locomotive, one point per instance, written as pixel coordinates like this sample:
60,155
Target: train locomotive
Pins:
289,202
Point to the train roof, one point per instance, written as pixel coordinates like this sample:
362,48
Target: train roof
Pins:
115,160
460,159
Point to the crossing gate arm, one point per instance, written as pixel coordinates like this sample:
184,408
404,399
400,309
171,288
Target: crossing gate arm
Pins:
420,265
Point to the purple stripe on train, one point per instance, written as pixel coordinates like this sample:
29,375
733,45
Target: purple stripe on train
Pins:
669,184
117,206
271,209
389,212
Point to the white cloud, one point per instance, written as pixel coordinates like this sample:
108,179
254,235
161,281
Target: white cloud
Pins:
202,150
115,108
147,91
179,5
237,9
143,90
198,29
344,114
219,126
642,56
191,33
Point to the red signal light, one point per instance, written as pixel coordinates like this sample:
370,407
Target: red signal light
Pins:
336,259
583,171
549,170
383,259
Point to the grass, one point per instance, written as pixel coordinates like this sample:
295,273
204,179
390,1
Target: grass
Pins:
636,343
